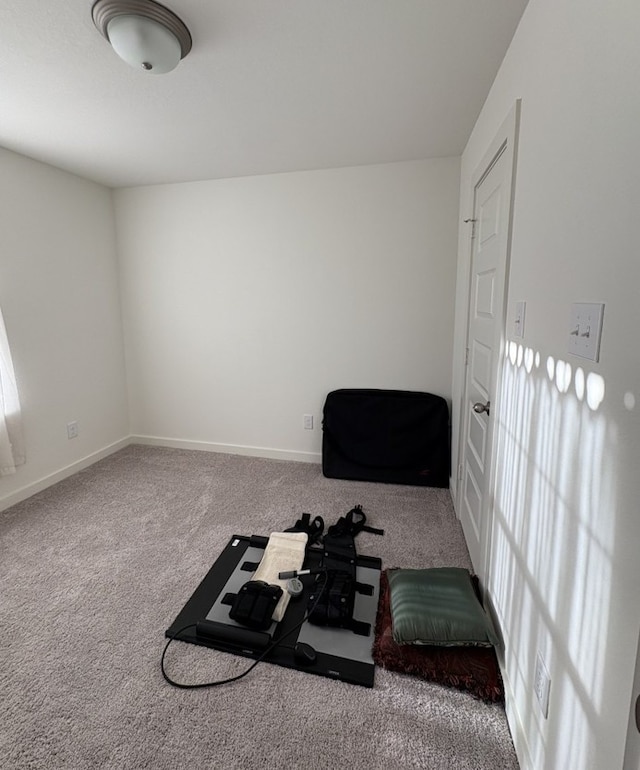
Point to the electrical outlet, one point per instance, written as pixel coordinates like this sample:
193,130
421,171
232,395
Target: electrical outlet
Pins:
518,321
542,685
307,421
72,429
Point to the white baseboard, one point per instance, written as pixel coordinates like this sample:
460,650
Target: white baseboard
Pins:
231,449
514,718
516,727
53,478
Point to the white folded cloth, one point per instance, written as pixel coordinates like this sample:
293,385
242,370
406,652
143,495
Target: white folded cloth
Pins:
284,553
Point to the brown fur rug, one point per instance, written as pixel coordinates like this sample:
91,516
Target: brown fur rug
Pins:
473,669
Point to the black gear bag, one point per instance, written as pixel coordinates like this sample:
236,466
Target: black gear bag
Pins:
394,436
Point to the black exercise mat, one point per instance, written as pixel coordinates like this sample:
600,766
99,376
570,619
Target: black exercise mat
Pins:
340,654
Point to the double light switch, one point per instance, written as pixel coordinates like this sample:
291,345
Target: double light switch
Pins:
585,330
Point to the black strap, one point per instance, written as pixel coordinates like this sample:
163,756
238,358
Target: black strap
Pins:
373,530
314,529
360,627
353,523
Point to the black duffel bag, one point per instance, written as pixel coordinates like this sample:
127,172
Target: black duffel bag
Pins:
393,436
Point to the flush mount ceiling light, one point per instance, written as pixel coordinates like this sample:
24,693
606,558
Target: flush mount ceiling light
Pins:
143,33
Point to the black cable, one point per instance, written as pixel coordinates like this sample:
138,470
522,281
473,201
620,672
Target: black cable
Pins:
271,647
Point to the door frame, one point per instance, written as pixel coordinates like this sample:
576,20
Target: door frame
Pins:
505,142
632,746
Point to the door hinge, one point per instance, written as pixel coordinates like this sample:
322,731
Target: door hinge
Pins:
466,356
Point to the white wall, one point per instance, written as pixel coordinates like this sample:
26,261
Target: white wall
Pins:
59,297
565,569
246,300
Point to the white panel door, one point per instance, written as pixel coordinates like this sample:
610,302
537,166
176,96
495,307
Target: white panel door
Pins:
490,245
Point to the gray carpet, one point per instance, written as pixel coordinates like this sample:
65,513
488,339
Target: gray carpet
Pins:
94,569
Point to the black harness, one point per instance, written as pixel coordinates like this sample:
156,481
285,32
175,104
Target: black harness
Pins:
332,599
336,602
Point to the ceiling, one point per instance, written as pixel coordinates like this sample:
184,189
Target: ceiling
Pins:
269,86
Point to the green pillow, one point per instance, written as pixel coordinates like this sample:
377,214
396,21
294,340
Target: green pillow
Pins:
438,607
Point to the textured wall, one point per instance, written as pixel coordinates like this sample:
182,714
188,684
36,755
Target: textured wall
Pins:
59,295
564,569
246,300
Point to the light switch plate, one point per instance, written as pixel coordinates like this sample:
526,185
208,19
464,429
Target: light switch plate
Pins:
585,330
518,320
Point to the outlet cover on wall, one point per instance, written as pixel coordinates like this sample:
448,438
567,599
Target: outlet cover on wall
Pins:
307,421
72,429
542,685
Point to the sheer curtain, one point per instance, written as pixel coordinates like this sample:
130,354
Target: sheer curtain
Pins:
11,439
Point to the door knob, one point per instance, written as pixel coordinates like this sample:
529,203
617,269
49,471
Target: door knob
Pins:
480,408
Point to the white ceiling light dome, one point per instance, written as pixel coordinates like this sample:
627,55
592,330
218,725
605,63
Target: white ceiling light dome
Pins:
143,33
